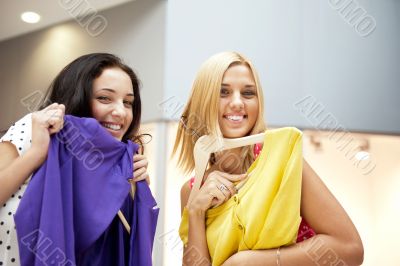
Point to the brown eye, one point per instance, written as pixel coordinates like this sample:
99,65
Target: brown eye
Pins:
103,99
224,92
128,104
249,93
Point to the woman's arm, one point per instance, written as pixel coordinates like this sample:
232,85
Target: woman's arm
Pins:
15,169
196,252
337,241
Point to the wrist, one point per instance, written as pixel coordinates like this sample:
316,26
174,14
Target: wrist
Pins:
35,156
195,212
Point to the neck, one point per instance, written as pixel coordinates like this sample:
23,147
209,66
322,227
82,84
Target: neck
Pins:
230,161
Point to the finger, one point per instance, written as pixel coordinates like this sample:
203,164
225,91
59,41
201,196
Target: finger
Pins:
52,122
213,187
55,118
55,126
55,129
223,188
140,178
228,185
227,193
51,106
138,157
233,178
139,164
54,113
139,172
221,177
219,197
62,107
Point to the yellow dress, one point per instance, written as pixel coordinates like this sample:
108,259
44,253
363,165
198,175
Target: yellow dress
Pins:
265,213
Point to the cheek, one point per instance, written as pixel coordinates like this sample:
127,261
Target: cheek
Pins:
98,110
254,110
94,109
222,106
129,117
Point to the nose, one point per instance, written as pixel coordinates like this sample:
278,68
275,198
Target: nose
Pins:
236,101
118,110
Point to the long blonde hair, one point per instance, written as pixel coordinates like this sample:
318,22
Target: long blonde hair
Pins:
200,116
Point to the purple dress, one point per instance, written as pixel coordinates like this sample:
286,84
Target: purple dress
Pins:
67,215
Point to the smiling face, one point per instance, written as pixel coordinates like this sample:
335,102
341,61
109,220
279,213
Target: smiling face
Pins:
112,101
238,104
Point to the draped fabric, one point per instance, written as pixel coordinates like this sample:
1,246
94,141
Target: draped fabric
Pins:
67,215
265,213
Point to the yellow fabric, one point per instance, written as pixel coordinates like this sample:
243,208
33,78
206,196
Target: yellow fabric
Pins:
265,213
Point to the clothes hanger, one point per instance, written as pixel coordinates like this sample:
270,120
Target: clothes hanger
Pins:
206,145
122,216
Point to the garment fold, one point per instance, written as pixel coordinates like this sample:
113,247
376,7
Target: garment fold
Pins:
71,202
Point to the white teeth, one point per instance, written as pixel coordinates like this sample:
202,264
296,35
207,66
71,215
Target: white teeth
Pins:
112,126
235,117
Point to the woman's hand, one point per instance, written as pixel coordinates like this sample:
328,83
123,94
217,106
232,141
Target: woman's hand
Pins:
46,122
218,188
266,257
234,260
140,164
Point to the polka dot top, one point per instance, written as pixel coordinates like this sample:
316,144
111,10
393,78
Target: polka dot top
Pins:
19,134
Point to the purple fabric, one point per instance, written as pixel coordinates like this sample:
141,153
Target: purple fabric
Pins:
108,249
143,225
72,200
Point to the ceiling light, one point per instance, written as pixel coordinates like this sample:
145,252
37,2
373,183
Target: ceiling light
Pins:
316,142
362,155
30,17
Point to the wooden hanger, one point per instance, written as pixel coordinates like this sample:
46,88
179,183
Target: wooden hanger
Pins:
206,145
122,216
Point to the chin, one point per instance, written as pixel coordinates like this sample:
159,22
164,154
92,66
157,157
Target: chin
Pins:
233,135
116,136
119,137
238,133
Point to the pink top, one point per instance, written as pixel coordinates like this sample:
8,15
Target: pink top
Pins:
305,231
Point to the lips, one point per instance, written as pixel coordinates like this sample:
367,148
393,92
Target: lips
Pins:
235,118
112,126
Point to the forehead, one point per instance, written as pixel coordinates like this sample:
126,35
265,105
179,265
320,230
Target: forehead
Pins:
238,73
115,79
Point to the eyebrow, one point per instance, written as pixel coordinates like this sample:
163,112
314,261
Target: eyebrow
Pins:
246,86
113,91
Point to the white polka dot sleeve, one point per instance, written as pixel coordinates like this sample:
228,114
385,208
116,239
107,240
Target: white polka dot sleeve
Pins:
20,134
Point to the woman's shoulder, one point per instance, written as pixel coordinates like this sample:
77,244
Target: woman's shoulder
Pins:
24,122
185,192
20,134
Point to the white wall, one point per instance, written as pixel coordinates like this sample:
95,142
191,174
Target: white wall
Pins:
135,32
300,48
371,198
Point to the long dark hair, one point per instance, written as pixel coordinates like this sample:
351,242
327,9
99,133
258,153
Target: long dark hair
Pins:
73,88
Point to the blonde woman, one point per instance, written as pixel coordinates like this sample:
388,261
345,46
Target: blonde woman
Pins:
284,214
